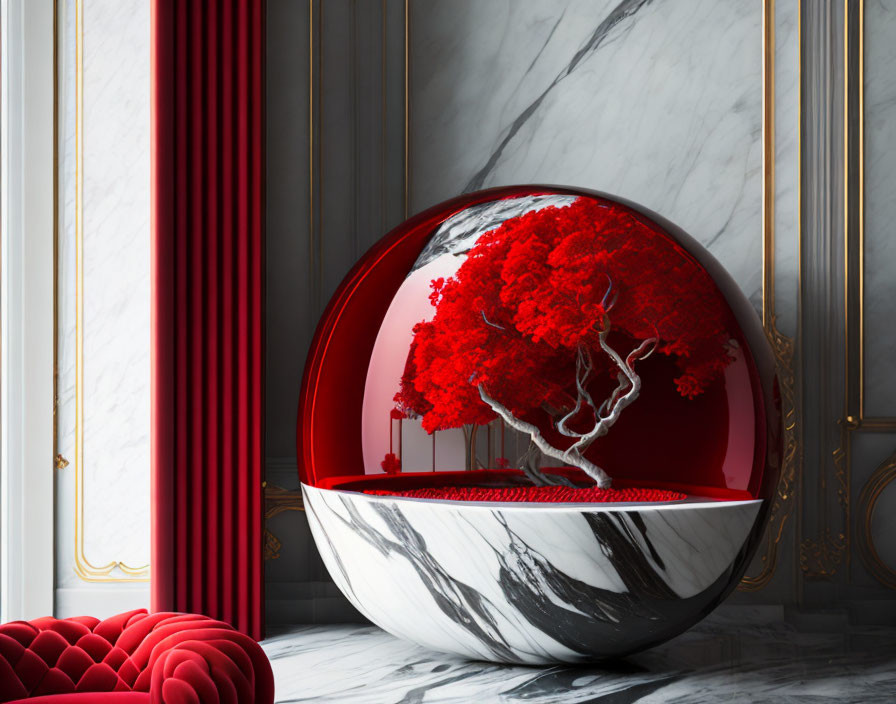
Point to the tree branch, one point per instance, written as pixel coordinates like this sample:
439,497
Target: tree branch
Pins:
489,322
570,456
605,417
584,366
623,382
622,402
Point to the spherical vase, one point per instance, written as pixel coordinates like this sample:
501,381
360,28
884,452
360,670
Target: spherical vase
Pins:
507,577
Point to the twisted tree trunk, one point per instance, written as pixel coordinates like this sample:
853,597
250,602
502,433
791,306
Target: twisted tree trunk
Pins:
605,416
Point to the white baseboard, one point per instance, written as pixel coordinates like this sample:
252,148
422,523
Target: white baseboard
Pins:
101,600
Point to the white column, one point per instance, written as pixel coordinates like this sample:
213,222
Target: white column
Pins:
26,311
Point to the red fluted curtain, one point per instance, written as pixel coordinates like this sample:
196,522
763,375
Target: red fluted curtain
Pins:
208,214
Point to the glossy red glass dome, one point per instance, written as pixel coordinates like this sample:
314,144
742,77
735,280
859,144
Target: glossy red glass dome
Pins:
723,440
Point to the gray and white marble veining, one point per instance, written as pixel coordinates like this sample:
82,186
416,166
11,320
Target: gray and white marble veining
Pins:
459,233
115,306
657,102
530,584
713,662
787,166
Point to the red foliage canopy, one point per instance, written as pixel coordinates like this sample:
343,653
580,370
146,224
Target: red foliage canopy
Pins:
534,291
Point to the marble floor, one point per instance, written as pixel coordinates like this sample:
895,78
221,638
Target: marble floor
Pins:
714,662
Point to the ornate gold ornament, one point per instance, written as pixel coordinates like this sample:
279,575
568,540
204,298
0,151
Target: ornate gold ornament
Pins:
880,479
271,546
782,345
83,567
277,500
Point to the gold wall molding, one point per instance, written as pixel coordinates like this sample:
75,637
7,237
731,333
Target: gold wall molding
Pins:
854,225
784,501
272,546
854,417
83,567
879,480
782,345
820,558
276,501
823,556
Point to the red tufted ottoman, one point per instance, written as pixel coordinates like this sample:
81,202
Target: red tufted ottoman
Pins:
130,658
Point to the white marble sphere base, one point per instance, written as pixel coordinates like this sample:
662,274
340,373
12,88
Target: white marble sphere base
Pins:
530,583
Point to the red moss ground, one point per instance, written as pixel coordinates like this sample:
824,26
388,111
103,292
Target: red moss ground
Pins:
535,494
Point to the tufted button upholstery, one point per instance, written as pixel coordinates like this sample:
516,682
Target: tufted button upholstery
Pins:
163,658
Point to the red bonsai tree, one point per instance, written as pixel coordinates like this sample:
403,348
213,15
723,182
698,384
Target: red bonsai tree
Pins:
532,320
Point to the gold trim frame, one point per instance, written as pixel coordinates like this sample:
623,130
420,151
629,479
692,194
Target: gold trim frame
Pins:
782,345
882,477
854,418
854,270
86,570
277,500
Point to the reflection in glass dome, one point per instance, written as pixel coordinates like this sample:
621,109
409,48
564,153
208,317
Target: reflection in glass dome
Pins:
451,449
554,330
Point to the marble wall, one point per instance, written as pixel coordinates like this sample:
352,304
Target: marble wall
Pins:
654,102
657,102
103,516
